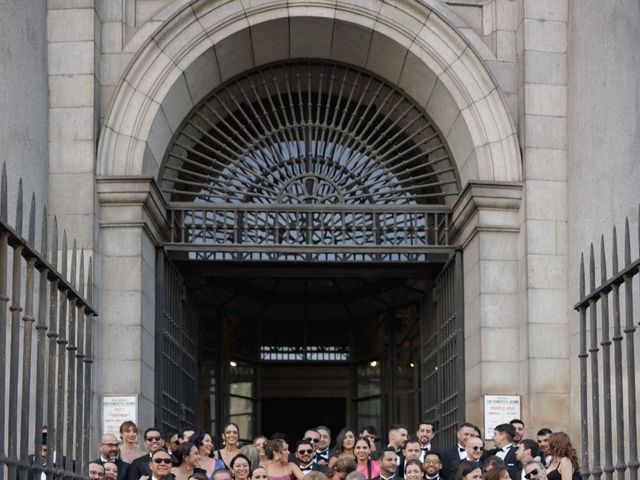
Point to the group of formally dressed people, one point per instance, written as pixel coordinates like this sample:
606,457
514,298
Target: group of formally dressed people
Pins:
355,455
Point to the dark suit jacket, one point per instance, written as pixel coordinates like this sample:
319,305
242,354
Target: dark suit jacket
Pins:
510,461
123,467
139,467
314,467
450,463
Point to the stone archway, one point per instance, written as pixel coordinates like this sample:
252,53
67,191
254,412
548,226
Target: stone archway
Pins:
205,43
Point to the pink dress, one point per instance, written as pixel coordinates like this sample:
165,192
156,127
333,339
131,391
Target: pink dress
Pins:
375,469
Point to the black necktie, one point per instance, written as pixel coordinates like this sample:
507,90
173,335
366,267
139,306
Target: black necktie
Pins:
460,449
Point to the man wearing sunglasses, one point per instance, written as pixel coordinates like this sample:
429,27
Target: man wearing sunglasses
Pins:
528,451
305,457
534,470
474,447
153,442
159,464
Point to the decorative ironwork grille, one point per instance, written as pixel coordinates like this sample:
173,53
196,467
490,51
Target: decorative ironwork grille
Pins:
623,396
44,298
309,161
176,349
443,353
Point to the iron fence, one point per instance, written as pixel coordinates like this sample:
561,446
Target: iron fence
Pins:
618,403
44,303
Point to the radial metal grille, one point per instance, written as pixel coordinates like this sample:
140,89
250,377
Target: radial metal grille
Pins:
308,161
309,133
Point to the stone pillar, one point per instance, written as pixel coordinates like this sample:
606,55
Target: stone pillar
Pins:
486,223
132,224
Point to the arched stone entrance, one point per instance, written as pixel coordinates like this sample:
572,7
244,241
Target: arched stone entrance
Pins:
204,43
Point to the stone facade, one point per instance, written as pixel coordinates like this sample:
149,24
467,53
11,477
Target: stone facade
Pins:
540,125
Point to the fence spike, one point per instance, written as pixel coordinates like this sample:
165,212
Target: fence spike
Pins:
63,267
614,259
603,262
81,274
627,243
592,269
89,281
4,215
32,220
19,209
54,243
44,240
72,273
582,275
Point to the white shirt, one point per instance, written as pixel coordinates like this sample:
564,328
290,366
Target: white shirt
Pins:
503,451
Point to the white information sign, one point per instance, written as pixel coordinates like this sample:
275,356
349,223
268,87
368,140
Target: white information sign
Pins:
117,409
499,409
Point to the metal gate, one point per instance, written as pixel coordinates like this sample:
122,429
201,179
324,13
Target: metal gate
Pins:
619,414
443,352
176,348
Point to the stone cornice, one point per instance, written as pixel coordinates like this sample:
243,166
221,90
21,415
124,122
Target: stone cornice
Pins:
500,201
133,201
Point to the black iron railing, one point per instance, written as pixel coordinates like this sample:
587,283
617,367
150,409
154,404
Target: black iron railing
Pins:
322,232
41,295
618,401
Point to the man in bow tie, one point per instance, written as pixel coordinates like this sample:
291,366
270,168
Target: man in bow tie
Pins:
398,436
322,447
452,457
425,434
305,458
503,440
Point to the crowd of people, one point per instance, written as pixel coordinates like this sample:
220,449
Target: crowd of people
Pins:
193,455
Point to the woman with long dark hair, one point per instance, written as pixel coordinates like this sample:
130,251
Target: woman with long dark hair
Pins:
186,459
231,440
345,443
362,451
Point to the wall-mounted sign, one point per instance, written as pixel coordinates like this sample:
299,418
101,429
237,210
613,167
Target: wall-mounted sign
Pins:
117,409
499,409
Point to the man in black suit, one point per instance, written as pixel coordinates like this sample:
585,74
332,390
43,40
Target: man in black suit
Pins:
305,458
398,436
323,453
425,434
527,451
109,452
503,440
451,457
388,459
153,442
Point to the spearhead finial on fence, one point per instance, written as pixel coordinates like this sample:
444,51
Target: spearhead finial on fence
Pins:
4,215
627,243
31,234
72,274
614,258
603,261
81,280
19,209
54,243
592,269
63,267
582,291
44,240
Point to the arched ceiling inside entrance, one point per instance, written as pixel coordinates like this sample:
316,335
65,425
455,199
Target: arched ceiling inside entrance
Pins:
206,43
308,132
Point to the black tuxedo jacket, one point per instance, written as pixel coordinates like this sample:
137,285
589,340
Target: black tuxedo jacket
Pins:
123,467
393,478
450,463
139,467
314,467
510,461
